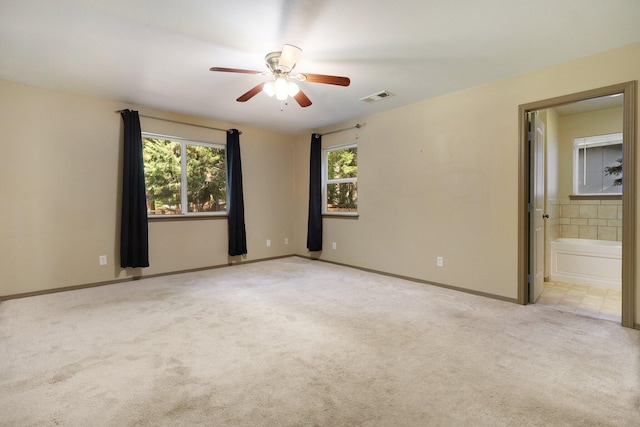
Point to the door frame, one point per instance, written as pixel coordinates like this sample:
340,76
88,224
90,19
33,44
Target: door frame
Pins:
628,89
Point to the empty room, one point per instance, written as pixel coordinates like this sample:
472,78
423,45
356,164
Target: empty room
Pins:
319,213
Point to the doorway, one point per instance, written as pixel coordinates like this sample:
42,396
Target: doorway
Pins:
528,249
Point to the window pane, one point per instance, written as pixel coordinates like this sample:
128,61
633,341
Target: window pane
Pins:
602,170
342,197
342,163
206,179
612,160
162,176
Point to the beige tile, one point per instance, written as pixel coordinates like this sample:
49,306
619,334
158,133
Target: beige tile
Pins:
614,223
611,309
607,212
598,222
565,221
579,287
610,316
612,302
592,302
574,303
588,211
596,291
548,301
555,295
611,202
591,298
588,232
570,211
613,293
580,221
620,212
607,233
570,231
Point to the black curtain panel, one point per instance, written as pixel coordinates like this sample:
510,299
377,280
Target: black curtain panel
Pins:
237,231
134,232
314,227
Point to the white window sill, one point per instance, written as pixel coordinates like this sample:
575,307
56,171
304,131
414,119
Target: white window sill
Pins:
346,215
186,217
602,196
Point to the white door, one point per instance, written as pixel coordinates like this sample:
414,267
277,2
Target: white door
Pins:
536,207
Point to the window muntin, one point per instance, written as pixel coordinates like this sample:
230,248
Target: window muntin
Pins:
340,173
184,177
597,165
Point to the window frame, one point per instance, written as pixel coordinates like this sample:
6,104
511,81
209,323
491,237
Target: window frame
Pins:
326,181
184,196
593,142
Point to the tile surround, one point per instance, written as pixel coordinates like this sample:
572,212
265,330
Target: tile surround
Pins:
585,219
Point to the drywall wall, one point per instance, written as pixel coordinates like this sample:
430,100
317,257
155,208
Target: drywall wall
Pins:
440,178
437,178
60,181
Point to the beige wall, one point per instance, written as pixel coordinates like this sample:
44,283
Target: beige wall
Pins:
436,178
440,178
59,181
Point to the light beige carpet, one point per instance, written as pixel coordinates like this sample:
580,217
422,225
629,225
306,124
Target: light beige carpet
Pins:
293,342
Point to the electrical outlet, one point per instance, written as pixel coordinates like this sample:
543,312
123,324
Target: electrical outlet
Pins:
440,261
102,259
268,242
286,241
334,246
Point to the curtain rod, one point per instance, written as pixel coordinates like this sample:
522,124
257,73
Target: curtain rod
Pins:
181,123
357,126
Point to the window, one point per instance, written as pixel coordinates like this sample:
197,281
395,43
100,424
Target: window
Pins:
340,173
184,177
597,164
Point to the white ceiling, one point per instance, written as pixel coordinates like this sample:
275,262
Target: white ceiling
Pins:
157,53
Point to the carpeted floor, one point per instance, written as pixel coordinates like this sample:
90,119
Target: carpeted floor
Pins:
293,342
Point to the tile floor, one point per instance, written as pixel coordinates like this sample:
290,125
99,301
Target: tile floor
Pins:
585,300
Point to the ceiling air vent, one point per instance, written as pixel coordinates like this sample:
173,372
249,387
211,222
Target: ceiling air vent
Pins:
376,97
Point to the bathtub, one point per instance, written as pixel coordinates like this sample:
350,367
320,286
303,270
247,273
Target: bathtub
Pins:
587,262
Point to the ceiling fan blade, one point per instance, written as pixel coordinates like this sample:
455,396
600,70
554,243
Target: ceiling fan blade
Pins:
321,78
234,70
288,57
302,99
251,93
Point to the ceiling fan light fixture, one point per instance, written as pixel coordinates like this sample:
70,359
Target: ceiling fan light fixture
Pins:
292,89
280,66
269,89
288,58
281,88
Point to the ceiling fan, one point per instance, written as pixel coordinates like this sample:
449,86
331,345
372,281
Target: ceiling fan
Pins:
280,65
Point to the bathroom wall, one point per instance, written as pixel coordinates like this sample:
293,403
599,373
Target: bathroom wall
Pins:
576,126
592,217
